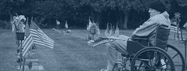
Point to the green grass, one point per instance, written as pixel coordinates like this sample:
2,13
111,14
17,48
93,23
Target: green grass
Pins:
70,53
7,51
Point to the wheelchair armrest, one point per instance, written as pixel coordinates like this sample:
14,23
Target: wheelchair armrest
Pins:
137,38
143,40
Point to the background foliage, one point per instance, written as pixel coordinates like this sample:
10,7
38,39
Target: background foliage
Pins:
124,13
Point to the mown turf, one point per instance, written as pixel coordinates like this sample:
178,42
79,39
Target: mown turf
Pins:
70,53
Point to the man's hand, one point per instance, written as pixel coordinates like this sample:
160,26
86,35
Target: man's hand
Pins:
97,42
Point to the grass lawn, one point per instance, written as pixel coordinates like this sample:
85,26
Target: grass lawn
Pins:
70,53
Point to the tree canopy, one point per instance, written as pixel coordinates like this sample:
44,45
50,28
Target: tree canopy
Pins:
125,13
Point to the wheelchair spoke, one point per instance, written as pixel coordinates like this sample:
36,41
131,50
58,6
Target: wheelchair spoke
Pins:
146,64
175,55
140,65
150,59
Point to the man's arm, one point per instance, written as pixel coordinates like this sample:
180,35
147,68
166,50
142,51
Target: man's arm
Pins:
146,28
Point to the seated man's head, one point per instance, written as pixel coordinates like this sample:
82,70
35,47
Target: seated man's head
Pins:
156,7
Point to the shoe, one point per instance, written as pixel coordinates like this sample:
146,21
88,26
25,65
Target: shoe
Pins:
163,64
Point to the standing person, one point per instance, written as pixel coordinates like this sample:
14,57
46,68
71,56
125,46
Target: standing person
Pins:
21,26
175,25
15,23
158,16
18,24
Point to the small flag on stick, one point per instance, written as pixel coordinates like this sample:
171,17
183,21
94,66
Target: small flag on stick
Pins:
111,30
98,30
66,25
117,31
107,32
89,24
57,22
27,29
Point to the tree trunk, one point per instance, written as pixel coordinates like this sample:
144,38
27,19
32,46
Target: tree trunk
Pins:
98,18
10,20
126,20
121,21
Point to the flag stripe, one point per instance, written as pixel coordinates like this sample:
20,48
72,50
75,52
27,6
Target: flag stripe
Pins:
41,34
36,36
40,38
36,41
44,35
28,47
27,44
43,43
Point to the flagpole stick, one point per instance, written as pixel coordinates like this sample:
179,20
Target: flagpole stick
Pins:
21,58
20,52
185,55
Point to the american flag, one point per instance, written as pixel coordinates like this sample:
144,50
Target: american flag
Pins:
39,37
27,44
174,29
35,36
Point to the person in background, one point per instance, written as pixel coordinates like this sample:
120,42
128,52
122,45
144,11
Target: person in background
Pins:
93,30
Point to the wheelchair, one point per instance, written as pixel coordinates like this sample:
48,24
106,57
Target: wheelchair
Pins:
144,55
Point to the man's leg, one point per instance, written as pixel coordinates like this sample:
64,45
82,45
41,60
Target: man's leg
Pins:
119,45
111,57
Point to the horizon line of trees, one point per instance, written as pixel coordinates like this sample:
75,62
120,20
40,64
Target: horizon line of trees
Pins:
126,14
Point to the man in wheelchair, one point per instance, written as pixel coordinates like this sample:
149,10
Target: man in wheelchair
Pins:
158,16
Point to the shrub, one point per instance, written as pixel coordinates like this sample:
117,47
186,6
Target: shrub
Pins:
4,24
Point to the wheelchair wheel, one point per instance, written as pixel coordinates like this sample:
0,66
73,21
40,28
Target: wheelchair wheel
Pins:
177,57
152,59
